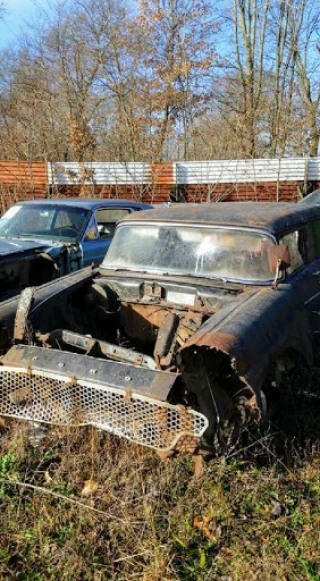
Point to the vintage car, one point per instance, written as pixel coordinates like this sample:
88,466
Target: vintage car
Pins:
43,239
179,340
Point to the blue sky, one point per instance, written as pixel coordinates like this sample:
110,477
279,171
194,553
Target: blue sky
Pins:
17,12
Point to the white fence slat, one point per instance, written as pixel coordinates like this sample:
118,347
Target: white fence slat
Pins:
99,173
314,169
186,172
240,171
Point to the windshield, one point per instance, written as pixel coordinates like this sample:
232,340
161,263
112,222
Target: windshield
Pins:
209,252
44,221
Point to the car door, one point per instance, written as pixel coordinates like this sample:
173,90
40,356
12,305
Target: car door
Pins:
99,233
303,275
311,232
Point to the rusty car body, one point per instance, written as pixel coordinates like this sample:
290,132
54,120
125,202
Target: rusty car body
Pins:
179,339
43,239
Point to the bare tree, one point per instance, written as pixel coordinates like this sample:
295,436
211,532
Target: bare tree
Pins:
245,70
178,61
281,77
304,22
157,79
118,53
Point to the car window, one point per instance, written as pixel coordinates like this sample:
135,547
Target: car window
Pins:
312,240
92,230
107,219
230,254
67,218
41,220
294,241
28,220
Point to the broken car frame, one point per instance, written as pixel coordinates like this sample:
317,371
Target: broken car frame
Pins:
179,339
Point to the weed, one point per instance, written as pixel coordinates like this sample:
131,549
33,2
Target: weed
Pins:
247,519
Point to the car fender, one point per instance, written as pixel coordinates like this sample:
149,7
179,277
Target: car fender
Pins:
254,330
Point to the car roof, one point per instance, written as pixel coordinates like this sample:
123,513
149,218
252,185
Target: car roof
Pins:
88,203
272,216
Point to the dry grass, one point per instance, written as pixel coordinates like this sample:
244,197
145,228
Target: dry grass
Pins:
86,506
254,516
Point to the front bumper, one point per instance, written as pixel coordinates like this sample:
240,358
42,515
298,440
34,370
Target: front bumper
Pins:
60,388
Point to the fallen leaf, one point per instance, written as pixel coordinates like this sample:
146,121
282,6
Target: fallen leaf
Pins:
277,509
198,465
204,526
90,486
47,477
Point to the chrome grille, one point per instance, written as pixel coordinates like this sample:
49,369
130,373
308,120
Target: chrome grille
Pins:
56,399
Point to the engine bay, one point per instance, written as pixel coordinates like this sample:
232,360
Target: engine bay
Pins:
119,340
19,273
142,321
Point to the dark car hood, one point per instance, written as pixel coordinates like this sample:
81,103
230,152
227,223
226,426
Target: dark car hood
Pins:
16,245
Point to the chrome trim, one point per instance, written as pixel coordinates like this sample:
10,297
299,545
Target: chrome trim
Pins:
311,298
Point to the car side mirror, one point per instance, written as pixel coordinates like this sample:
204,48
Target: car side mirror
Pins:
279,258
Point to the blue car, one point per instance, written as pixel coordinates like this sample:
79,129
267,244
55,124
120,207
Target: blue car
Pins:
43,239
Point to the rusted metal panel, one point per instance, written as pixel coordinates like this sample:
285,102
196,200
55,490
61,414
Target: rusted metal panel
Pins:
222,341
161,193
33,175
207,181
162,173
149,194
264,180
23,310
237,192
20,181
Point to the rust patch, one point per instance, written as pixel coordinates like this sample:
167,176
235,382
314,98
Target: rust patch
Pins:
21,396
23,310
141,321
162,173
166,339
222,341
128,395
144,321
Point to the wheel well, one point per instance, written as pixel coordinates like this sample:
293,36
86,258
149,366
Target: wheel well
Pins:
283,364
